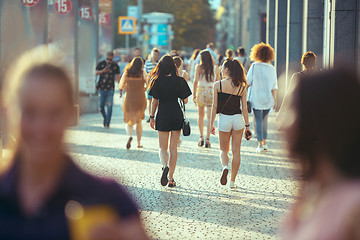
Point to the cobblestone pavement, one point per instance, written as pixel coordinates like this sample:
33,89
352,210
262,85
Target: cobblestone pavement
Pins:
199,207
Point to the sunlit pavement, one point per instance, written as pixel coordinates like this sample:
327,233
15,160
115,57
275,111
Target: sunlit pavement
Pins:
199,207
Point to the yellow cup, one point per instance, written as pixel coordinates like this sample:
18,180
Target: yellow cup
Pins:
82,220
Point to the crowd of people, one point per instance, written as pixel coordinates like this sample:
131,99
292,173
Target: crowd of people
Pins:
42,187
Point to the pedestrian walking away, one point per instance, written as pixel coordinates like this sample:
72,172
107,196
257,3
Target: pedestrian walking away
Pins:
308,62
211,48
134,82
107,70
166,88
42,187
179,68
245,61
262,80
150,65
229,54
192,64
206,73
230,104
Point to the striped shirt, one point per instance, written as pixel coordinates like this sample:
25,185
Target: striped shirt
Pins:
149,66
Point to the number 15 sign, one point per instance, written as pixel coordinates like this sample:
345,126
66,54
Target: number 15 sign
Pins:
63,7
29,3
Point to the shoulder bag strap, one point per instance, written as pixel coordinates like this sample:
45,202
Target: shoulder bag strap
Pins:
182,105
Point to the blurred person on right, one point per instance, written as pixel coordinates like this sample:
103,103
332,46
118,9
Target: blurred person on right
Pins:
262,79
328,207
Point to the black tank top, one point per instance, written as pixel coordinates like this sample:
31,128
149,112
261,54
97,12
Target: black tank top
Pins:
228,104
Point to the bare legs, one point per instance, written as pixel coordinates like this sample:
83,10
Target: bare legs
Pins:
235,148
149,107
224,139
139,130
163,150
201,121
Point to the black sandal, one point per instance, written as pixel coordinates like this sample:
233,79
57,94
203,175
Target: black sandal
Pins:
201,141
223,179
128,145
164,179
207,143
172,183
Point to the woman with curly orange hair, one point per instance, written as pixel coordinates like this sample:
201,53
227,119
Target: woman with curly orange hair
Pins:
262,79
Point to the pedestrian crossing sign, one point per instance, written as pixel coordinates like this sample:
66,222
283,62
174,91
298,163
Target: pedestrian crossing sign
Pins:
127,25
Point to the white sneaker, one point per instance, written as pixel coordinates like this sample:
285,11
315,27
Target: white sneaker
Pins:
260,150
265,147
232,185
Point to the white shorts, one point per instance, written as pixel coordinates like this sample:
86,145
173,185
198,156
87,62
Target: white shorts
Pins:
227,123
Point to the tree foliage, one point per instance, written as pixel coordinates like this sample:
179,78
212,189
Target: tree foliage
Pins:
194,24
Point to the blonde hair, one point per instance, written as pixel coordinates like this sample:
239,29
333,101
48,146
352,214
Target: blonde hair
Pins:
40,61
262,53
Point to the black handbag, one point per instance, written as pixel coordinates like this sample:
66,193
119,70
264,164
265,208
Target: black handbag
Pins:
248,103
186,125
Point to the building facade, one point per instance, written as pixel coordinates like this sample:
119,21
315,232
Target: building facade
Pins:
241,23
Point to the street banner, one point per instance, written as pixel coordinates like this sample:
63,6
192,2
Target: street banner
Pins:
87,53
105,27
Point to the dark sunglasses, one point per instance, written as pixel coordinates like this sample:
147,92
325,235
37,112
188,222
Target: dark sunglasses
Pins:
109,59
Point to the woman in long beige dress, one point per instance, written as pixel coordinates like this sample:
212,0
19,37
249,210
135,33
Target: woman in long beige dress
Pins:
134,82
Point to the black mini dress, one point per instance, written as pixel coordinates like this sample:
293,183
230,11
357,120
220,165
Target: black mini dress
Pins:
168,89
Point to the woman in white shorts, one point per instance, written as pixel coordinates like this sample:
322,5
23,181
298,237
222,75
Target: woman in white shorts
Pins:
230,103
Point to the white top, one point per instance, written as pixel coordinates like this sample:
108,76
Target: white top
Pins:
202,79
262,79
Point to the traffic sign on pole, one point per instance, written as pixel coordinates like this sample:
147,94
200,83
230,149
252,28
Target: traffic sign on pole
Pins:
127,25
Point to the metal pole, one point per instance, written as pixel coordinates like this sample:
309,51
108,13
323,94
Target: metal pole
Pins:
127,42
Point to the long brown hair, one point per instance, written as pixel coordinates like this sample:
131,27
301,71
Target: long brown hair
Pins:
164,67
135,68
236,72
207,64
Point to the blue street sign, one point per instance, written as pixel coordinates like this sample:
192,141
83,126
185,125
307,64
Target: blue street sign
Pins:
127,25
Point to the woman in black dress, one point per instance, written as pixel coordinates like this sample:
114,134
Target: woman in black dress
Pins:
166,89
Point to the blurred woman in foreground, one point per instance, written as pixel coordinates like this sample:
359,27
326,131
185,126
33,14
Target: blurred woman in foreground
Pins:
42,179
329,205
